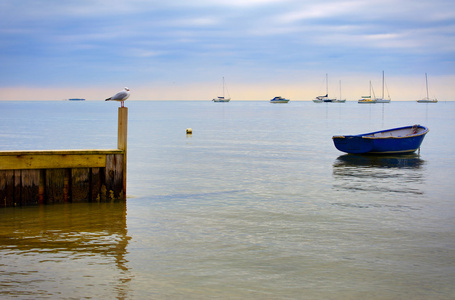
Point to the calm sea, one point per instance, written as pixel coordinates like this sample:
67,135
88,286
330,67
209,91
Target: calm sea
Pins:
256,204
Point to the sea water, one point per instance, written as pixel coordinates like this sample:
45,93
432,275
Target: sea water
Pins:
257,203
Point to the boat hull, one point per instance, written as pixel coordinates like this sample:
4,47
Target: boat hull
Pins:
366,101
427,101
383,142
382,100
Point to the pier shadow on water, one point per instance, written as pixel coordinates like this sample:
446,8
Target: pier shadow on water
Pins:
60,250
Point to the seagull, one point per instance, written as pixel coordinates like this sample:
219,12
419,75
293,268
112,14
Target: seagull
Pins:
121,96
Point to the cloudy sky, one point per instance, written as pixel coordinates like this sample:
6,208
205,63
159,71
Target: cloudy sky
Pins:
181,49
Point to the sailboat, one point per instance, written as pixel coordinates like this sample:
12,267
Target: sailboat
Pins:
221,99
340,100
320,99
427,99
382,100
367,99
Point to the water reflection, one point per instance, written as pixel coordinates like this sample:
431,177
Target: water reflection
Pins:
382,174
48,251
380,161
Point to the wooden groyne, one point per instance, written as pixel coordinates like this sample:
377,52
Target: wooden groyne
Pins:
57,176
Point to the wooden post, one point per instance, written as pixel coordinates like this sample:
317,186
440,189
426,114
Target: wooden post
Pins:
122,140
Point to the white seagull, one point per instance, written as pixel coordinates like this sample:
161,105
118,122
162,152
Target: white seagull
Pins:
120,96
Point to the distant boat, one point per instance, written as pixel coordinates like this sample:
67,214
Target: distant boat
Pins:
279,99
222,98
340,100
382,100
320,99
397,140
76,99
427,99
367,99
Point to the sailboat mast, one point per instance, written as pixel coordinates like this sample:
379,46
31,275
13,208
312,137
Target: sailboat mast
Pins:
327,84
223,86
340,90
426,81
382,84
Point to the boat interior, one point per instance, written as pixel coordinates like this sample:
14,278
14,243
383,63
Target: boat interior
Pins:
402,132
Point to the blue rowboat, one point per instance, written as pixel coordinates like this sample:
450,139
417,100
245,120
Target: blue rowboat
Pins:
397,140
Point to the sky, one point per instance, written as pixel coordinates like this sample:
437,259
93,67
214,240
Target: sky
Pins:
181,50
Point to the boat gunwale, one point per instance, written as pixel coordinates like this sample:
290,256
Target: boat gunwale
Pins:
366,135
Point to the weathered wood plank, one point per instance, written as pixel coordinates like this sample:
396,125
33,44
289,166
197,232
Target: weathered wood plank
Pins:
7,188
30,180
114,177
10,187
55,182
17,188
67,185
57,161
3,188
95,184
80,184
42,187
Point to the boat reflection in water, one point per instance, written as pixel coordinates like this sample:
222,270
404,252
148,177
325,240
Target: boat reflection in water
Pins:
59,250
385,175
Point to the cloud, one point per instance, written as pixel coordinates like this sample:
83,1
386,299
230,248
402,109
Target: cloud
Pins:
100,42
323,11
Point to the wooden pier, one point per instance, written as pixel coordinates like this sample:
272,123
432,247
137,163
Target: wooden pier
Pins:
58,176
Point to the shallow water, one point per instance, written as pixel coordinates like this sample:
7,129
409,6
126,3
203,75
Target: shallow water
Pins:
257,203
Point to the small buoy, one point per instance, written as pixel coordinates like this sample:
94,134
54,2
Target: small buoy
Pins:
189,131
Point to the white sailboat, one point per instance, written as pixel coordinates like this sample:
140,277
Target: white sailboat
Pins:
320,99
382,100
222,98
427,99
340,100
